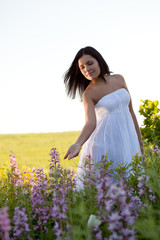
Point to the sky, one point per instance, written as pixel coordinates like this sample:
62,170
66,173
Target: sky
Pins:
38,41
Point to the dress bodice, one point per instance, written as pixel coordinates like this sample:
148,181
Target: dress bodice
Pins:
114,102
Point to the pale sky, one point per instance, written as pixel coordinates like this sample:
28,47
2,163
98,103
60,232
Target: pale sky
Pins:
38,41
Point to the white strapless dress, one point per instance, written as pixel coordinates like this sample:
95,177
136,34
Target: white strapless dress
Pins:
115,133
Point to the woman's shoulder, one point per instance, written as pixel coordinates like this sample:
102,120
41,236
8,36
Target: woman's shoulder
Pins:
89,92
117,79
117,76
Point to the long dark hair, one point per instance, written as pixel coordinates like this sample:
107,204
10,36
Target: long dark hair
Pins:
73,78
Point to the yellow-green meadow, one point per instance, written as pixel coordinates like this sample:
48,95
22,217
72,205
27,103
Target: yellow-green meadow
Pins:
32,150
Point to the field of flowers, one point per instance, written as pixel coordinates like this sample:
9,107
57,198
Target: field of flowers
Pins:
116,204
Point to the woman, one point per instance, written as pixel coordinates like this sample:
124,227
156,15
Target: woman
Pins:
110,123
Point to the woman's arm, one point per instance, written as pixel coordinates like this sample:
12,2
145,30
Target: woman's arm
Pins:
90,124
136,126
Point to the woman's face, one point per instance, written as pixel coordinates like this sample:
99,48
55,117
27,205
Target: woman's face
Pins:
89,67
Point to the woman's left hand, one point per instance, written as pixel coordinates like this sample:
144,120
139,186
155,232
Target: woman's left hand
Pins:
73,151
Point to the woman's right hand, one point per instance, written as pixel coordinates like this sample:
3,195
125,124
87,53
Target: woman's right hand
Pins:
73,151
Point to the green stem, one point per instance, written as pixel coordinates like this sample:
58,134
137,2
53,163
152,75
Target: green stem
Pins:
41,233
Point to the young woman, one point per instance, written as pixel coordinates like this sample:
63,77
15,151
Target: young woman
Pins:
110,123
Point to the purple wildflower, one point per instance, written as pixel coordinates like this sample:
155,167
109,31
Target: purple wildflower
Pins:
144,190
114,217
58,174
58,211
88,163
97,232
141,179
109,205
128,233
42,215
21,226
5,226
140,185
115,236
155,148
55,159
40,197
152,198
141,192
150,190
115,226
59,206
57,231
134,205
39,185
113,207
117,193
147,179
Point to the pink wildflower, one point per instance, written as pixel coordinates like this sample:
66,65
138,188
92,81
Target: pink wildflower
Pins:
87,167
15,174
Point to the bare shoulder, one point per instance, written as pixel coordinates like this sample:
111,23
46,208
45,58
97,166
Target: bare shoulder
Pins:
117,76
87,94
118,80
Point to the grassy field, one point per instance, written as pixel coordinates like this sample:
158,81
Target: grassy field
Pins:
32,150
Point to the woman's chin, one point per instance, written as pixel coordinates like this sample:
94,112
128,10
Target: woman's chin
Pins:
90,78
